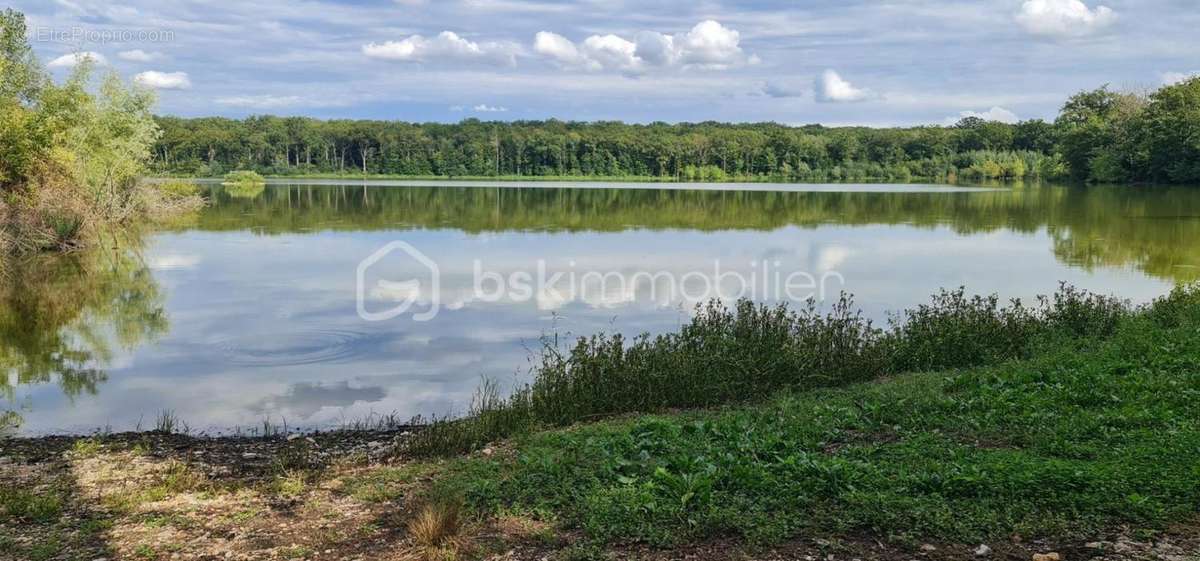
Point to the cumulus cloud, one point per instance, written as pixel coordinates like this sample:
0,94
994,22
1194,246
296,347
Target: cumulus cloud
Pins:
1064,18
446,47
832,88
1172,78
994,114
707,45
265,101
70,60
484,108
163,80
138,55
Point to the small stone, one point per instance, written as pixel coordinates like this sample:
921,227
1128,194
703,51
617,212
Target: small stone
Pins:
293,436
928,547
1047,557
983,550
488,451
1094,545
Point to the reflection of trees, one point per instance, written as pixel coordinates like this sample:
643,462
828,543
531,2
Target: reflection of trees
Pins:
1154,230
62,317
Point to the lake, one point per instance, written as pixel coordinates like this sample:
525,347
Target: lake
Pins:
321,302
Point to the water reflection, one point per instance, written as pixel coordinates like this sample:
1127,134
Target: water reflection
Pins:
63,319
259,287
1147,228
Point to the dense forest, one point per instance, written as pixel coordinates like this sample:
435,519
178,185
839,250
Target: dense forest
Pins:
1100,136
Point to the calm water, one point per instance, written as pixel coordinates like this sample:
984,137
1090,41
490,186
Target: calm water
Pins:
249,311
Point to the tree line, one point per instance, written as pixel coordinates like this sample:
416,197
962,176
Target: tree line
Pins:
1100,135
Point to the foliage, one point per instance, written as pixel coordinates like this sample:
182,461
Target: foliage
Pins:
1063,444
243,176
1099,135
70,154
730,355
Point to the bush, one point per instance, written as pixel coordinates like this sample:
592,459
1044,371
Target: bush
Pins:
243,176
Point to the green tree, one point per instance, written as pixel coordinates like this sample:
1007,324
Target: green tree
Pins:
1171,131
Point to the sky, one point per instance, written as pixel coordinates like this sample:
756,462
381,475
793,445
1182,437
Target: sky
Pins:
834,62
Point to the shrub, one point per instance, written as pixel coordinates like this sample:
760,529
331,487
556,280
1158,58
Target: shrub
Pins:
243,176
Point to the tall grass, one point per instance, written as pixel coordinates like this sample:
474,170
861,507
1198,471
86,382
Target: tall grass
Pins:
726,355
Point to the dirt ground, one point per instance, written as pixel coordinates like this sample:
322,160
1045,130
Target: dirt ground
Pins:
347,496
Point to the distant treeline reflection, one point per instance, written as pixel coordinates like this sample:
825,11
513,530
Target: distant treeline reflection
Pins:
1153,230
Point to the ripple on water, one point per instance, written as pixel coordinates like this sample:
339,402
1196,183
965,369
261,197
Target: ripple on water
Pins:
295,349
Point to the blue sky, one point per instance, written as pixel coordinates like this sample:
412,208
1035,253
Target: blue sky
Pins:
894,62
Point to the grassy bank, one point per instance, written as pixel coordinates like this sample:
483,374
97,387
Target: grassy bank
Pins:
1087,433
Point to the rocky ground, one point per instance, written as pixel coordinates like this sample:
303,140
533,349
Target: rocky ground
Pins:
347,495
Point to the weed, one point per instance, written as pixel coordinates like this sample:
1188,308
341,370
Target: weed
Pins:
86,447
168,422
42,506
290,484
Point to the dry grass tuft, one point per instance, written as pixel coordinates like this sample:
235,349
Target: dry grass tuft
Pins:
437,530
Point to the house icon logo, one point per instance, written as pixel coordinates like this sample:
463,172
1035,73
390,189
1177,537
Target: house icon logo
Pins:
372,290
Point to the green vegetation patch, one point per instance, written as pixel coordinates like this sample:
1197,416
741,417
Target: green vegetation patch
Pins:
243,176
41,506
751,351
1092,432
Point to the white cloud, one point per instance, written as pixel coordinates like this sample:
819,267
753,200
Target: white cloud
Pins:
484,108
1064,18
1172,78
558,48
138,55
707,45
163,80
70,60
610,51
447,46
994,114
832,88
265,101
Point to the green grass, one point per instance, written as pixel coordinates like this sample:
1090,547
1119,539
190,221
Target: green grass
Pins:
751,351
42,506
386,484
1091,431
